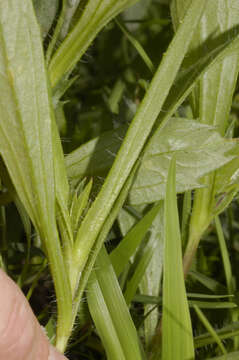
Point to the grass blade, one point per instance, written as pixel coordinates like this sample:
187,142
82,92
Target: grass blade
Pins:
26,136
144,56
121,254
117,308
176,323
146,255
210,328
102,319
226,332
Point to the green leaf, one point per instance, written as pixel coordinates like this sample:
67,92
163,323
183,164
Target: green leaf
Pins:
71,7
45,13
101,238
102,320
148,299
213,96
151,282
226,183
109,311
228,176
198,149
226,332
96,156
96,14
121,254
213,304
225,256
139,48
210,329
79,204
176,323
145,256
26,136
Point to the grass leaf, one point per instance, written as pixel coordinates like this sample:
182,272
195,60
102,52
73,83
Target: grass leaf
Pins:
210,328
26,136
176,323
117,309
121,254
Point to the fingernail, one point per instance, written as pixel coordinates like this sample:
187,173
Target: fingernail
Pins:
55,355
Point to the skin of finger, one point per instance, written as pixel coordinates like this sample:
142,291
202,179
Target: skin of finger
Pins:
21,337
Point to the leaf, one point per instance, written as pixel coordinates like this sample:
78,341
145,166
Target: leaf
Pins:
213,305
198,149
101,238
225,256
96,156
148,299
210,329
228,176
109,311
202,150
116,96
96,14
45,13
213,97
26,136
71,7
145,256
226,183
78,206
139,48
121,254
226,332
176,322
102,320
151,282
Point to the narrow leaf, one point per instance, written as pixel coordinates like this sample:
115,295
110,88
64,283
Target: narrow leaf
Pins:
176,323
121,254
210,328
26,136
117,309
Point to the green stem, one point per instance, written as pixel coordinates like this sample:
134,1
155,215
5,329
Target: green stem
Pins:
62,288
